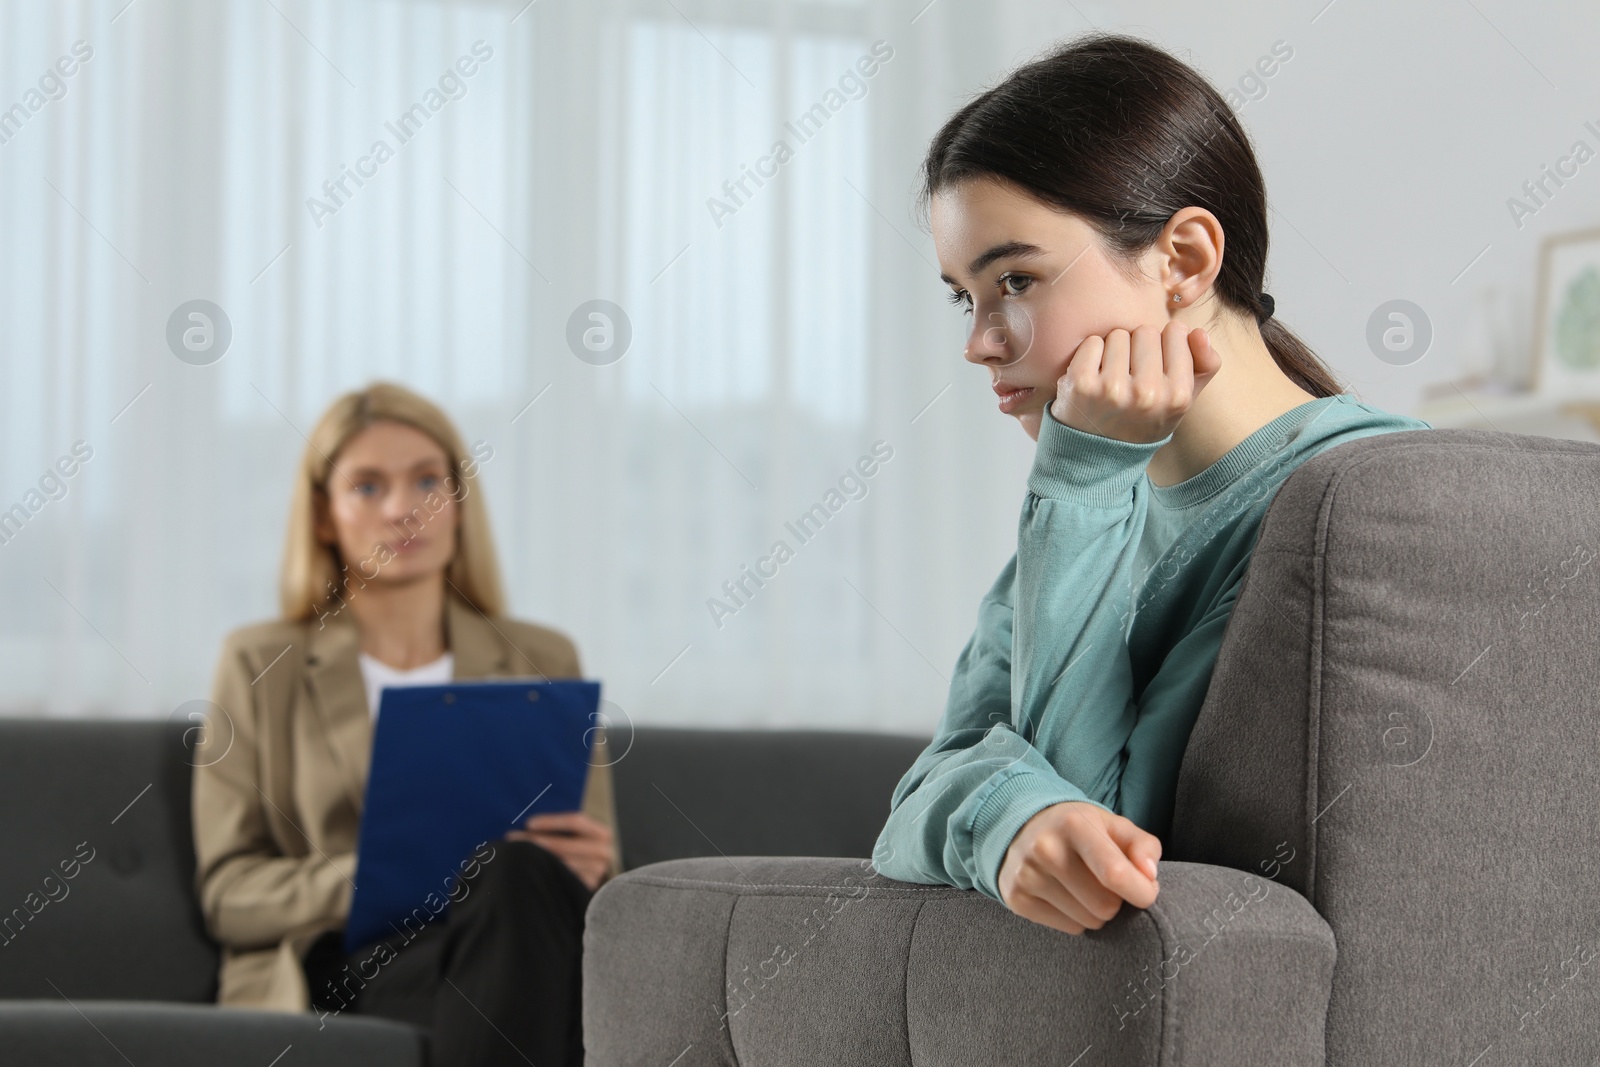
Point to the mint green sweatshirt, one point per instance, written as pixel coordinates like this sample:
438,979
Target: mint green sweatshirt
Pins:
1094,647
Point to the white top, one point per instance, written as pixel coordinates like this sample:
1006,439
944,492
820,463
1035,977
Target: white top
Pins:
378,675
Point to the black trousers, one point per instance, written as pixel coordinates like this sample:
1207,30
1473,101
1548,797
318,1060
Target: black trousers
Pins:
496,981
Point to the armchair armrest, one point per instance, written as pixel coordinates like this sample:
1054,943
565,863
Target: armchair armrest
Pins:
805,961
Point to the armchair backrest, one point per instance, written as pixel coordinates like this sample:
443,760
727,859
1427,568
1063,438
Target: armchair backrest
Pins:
1404,726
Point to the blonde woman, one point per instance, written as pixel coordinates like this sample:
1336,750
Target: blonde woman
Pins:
389,578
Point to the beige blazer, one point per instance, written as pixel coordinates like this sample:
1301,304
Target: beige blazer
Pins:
281,771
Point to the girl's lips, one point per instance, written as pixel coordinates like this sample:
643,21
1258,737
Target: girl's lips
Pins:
1010,400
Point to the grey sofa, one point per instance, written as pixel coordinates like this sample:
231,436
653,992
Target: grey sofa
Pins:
1383,851
103,956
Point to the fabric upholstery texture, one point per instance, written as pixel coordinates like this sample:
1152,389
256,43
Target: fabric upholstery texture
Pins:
1407,695
746,960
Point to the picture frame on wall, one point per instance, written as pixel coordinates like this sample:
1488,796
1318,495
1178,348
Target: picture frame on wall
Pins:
1566,346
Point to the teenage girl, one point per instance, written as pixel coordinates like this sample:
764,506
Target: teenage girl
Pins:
1101,217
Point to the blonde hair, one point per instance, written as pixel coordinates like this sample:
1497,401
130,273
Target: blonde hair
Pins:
314,572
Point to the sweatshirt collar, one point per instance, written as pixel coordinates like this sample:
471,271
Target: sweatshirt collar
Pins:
1276,436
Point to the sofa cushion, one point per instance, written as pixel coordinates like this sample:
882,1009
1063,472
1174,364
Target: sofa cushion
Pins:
684,793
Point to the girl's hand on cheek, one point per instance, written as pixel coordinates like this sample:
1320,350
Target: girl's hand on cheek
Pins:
1137,386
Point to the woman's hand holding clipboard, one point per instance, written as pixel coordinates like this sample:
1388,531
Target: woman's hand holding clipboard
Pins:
580,841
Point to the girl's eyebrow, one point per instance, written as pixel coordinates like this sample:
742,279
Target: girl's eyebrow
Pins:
1020,249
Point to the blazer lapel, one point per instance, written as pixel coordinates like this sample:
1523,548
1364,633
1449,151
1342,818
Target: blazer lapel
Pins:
478,648
333,674
333,670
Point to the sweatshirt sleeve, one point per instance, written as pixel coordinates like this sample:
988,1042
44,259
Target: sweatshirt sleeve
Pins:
1040,706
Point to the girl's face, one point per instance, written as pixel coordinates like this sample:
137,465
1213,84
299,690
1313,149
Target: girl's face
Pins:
390,508
1036,283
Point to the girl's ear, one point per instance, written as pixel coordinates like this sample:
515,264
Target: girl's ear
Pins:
1193,242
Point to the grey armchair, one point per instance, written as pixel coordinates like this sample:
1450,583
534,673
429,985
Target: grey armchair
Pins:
1382,850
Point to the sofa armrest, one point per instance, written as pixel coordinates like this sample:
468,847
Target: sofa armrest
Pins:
804,961
108,1033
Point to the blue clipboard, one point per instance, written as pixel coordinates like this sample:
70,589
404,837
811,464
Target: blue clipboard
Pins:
454,766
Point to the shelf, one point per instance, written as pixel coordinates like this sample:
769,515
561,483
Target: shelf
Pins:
1572,420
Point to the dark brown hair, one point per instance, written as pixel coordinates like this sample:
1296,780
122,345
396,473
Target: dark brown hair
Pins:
1123,135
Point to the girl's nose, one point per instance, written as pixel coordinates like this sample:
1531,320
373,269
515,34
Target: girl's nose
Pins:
987,343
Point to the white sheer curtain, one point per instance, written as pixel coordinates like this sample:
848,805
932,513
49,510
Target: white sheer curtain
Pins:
157,152
773,345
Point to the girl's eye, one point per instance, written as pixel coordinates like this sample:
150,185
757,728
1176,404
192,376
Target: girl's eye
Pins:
428,481
367,488
1010,285
1007,279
